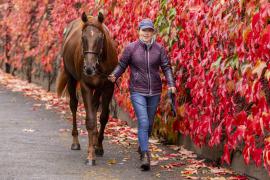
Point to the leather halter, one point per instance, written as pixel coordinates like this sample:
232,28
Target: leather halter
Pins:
98,54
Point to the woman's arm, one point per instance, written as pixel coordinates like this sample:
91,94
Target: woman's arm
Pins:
122,65
167,70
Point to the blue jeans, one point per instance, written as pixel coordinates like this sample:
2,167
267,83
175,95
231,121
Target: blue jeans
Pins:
145,109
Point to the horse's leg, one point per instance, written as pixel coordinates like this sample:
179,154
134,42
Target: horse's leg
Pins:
106,99
73,103
95,105
95,101
91,122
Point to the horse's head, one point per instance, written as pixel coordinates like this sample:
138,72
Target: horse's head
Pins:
92,44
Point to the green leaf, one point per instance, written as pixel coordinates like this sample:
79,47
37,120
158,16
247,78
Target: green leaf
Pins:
172,13
216,64
163,3
235,62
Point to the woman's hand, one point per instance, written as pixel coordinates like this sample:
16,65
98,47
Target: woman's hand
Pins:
112,78
172,89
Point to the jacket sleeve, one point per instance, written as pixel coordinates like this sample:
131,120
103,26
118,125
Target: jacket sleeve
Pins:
123,63
166,68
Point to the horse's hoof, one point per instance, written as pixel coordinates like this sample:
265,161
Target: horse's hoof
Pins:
89,162
99,152
75,147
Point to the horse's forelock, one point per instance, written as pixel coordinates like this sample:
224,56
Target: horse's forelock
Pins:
98,26
93,22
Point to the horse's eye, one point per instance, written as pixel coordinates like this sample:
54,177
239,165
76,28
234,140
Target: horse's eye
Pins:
99,41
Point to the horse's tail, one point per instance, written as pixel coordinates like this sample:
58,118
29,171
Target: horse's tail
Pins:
61,82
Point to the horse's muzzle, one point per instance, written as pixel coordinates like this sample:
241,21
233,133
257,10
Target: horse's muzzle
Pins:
89,71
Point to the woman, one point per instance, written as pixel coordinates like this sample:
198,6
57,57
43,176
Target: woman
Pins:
144,57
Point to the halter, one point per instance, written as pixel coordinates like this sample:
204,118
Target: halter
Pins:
98,54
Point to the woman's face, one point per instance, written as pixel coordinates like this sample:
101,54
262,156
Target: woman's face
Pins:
146,34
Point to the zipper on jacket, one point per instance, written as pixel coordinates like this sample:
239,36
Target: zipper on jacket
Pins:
149,74
145,55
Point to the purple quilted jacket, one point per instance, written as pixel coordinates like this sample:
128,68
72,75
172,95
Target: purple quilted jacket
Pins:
144,64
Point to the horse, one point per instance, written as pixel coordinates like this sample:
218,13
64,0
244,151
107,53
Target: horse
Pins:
89,56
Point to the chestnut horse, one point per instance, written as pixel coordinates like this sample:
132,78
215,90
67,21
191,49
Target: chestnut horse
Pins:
89,56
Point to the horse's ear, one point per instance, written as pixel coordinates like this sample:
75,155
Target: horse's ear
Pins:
100,17
84,17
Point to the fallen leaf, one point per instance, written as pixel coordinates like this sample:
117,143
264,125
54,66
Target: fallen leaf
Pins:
37,105
237,177
125,159
189,171
154,141
218,178
83,133
177,164
48,106
134,130
174,147
64,130
190,177
163,158
29,130
154,163
112,161
172,155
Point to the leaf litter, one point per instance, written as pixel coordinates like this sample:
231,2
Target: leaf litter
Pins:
120,133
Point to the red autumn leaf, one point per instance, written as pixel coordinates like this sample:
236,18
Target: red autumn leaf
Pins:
215,138
226,154
246,154
257,156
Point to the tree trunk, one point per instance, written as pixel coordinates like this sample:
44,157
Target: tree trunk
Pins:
7,67
29,69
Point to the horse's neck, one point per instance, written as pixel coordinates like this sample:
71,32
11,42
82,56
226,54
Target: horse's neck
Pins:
72,28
